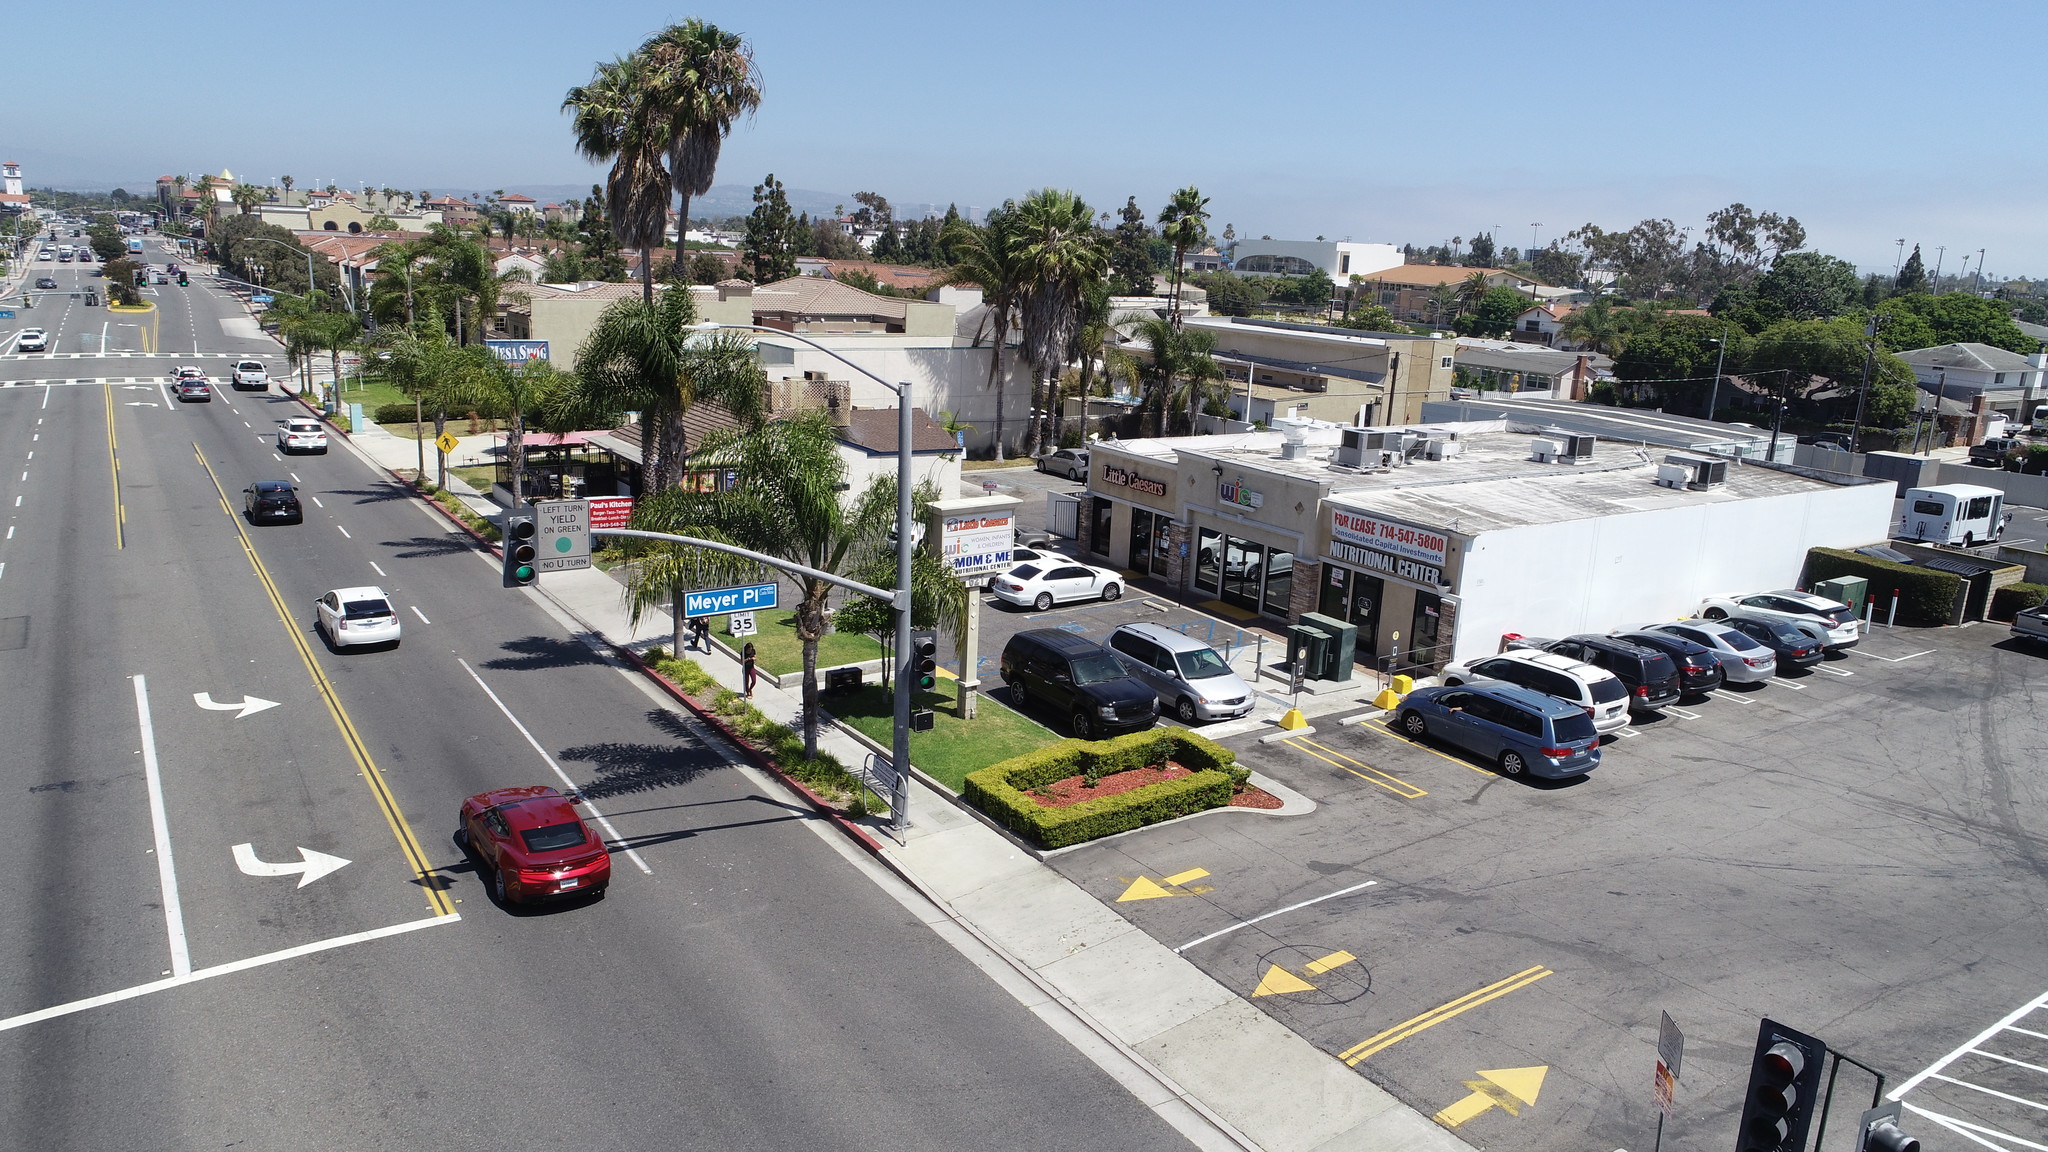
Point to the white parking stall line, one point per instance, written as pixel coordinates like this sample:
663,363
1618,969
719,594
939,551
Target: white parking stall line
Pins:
602,821
1989,1091
1737,697
1972,1043
343,531
1777,683
1832,671
422,615
380,571
166,870
1681,713
1627,733
295,477
1965,1129
1892,659
316,501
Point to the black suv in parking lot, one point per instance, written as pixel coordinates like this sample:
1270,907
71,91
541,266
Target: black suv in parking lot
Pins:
1649,675
1699,669
1083,680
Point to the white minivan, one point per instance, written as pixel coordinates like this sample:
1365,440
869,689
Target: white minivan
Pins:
1965,514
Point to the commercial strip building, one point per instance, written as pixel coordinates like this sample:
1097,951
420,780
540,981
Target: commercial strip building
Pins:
1434,540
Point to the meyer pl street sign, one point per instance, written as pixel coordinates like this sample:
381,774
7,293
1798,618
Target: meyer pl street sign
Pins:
719,601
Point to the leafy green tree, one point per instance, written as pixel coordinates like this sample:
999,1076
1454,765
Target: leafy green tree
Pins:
1961,317
106,242
829,241
699,80
1061,253
1554,265
1481,254
784,501
707,269
1493,312
1902,328
1678,353
616,119
1132,255
769,251
1787,355
1183,224
1913,274
1229,293
987,256
1372,318
1807,286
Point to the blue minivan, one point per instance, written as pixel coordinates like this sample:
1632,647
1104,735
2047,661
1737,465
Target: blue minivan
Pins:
1517,728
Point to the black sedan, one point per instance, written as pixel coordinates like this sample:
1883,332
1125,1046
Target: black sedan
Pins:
46,282
1793,647
272,502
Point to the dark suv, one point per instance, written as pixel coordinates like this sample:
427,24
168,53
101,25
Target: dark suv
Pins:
1649,675
1081,679
272,501
1699,668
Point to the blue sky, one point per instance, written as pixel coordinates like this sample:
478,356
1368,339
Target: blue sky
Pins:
1406,122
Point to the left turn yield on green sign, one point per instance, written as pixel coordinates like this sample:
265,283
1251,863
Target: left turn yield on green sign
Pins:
564,534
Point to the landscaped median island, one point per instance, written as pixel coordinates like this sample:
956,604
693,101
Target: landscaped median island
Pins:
1071,792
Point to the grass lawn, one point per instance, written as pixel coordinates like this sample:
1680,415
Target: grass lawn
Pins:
480,478
981,465
954,747
778,650
371,392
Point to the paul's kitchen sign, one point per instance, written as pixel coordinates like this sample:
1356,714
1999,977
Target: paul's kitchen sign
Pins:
1388,536
1111,474
1234,492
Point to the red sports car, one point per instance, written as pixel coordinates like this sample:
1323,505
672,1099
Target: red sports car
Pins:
533,845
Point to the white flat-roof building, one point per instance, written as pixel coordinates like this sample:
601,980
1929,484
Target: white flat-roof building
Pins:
1435,539
1338,259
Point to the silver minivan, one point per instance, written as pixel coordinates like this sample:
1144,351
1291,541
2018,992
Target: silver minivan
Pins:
1192,681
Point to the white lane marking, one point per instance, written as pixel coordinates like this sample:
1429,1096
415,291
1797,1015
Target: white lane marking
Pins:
380,571
1990,1091
1963,1048
1722,695
1681,713
165,388
276,457
316,501
10,531
31,456
17,501
1891,659
232,966
1275,912
606,824
246,424
166,871
422,615
343,531
46,398
295,477
2008,1060
1832,671
36,437
3,569
24,475
1959,1128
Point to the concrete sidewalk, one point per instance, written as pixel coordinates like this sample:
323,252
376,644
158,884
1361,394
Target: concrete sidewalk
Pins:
1221,1071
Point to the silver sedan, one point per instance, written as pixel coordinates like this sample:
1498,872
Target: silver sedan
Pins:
1743,660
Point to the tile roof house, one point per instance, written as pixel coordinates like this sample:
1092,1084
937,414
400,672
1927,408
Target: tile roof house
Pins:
904,277
514,202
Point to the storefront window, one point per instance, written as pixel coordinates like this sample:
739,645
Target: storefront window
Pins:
1423,630
1209,562
1141,541
1280,583
1162,531
1243,564
1098,541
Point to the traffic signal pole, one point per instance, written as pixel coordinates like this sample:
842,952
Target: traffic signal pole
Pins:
899,745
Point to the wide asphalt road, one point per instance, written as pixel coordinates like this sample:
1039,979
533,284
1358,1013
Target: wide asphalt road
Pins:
744,985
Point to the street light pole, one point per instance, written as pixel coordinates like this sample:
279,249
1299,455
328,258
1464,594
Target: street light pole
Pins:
1869,361
899,744
1720,358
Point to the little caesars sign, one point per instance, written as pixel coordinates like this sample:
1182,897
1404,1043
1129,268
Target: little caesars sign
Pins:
1399,550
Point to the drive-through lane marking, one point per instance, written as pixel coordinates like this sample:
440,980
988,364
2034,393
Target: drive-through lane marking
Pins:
1371,775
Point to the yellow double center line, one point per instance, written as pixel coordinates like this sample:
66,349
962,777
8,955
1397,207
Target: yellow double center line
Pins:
1442,1012
386,802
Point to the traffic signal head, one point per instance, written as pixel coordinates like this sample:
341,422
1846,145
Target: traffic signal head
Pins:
519,550
1879,1132
1784,1082
182,281
924,660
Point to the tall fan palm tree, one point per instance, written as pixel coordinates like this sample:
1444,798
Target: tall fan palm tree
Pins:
1061,253
699,79
1184,223
612,120
1597,327
1171,367
986,256
1470,289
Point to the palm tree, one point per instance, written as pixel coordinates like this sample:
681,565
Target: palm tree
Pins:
1177,368
1092,332
648,358
701,79
416,358
1060,254
1470,289
1442,298
1184,223
785,501
986,256
612,121
402,257
287,182
519,391
1597,327
465,269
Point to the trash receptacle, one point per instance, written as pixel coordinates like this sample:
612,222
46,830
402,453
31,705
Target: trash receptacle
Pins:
1850,590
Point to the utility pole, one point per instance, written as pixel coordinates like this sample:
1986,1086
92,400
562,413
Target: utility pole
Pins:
1940,251
1899,261
1721,357
1869,361
1978,283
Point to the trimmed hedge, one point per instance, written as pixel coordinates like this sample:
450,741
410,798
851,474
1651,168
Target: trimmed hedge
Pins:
2014,599
1003,790
1926,597
393,414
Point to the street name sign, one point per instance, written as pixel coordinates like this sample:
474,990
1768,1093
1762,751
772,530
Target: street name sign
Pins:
719,601
563,542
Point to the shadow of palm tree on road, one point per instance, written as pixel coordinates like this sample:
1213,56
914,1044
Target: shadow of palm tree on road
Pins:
624,767
417,546
539,653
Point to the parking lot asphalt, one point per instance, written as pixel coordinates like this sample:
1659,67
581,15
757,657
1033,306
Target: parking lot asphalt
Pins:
1855,851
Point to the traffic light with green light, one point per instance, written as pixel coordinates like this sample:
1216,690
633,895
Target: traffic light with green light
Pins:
1784,1090
519,531
924,660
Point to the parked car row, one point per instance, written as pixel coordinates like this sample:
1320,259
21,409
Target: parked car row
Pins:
1145,669
1516,708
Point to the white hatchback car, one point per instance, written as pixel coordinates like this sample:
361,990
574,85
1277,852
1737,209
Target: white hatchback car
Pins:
354,616
1041,585
301,434
32,340
1600,692
1831,622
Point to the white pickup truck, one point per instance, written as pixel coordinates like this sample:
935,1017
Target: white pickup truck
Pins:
250,375
2032,624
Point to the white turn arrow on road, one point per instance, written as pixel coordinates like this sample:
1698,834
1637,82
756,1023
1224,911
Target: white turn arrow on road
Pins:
142,404
248,705
313,866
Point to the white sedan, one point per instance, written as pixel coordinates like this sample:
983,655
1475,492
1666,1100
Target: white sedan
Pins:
1025,554
1831,622
353,616
1041,585
301,434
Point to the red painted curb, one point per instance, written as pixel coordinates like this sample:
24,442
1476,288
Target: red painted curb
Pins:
717,723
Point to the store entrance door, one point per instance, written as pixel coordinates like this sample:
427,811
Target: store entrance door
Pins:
1243,564
1422,644
1141,541
1354,597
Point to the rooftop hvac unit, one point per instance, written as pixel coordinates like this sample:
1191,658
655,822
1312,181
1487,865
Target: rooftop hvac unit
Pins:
1704,472
1580,447
1546,451
1444,449
1672,476
1294,450
1358,447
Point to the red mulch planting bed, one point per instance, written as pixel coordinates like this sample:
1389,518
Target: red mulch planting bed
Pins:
1254,796
1074,789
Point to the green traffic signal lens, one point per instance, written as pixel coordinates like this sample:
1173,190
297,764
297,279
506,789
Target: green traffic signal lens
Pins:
523,572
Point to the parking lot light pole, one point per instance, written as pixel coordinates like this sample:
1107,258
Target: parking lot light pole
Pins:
899,743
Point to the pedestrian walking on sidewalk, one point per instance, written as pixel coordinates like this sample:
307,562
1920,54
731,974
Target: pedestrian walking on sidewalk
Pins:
747,667
700,634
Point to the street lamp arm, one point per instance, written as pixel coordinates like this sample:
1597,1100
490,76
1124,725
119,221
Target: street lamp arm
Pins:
713,326
892,596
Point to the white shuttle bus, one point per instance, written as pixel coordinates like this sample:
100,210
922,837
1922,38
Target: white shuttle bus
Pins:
1965,514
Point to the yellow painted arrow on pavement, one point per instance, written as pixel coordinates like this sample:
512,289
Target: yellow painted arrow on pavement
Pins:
1278,980
1146,889
1512,1089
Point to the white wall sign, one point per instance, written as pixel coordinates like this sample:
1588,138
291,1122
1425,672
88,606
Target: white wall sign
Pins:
1373,560
1388,536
